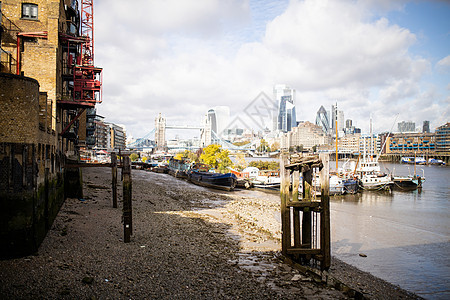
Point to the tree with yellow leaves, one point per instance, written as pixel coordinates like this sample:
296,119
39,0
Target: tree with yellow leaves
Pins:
216,157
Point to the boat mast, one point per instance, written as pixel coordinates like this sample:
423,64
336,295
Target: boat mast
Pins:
335,117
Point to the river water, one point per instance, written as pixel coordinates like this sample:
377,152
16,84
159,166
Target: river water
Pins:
405,235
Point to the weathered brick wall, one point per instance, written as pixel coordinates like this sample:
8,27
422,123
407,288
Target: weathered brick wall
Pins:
40,58
19,114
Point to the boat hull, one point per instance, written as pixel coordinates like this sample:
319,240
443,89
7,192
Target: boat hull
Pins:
351,186
225,182
407,183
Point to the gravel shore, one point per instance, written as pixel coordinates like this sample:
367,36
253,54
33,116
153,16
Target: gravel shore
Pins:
188,242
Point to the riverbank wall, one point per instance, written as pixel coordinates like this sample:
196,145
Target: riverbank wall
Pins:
32,173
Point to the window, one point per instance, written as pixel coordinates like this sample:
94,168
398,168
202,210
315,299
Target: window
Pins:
29,11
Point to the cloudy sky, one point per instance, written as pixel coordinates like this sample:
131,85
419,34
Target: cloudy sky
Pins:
376,58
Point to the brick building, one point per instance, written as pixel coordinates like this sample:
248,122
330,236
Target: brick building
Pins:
411,143
46,84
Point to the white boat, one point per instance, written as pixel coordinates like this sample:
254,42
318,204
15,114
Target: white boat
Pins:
413,160
370,176
267,179
434,161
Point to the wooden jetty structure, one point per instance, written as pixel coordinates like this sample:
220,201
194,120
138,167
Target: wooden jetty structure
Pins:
305,220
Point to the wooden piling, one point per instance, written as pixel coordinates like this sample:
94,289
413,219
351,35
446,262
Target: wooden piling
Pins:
127,209
295,197
114,178
284,194
325,239
307,195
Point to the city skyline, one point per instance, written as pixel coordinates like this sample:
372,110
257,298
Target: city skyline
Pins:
380,60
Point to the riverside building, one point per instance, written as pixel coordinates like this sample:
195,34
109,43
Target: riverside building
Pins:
47,81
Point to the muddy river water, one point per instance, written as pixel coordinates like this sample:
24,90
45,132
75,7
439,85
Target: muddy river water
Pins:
405,235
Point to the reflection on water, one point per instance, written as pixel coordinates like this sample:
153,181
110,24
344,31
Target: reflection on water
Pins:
405,235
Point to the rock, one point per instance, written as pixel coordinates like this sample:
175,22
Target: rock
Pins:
362,255
88,280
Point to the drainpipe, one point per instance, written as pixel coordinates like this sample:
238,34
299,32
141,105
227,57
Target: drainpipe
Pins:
38,34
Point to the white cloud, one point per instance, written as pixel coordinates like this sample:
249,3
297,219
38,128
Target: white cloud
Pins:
182,57
444,64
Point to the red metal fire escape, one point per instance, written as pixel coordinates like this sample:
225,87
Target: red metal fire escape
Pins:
86,87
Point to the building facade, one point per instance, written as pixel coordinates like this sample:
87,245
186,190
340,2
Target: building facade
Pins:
322,120
307,135
349,143
443,139
337,119
411,143
406,126
219,118
118,137
45,88
287,116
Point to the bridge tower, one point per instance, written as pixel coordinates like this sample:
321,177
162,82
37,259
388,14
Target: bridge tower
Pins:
160,132
206,134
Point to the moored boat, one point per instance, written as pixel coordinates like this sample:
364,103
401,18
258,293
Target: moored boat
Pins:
371,178
407,183
267,179
198,174
179,167
434,161
413,160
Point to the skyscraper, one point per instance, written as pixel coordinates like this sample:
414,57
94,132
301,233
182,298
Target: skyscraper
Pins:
287,117
426,126
406,126
322,120
337,117
219,118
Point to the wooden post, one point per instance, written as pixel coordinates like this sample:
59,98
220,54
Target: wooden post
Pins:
127,210
114,178
285,211
325,242
296,227
306,220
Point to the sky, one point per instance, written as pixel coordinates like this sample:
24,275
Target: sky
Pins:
384,60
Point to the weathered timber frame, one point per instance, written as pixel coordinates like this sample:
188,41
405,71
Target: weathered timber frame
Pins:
305,222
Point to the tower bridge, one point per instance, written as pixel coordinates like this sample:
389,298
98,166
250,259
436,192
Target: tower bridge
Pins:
207,136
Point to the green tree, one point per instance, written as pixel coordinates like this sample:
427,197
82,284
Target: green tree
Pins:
134,156
144,159
216,157
314,148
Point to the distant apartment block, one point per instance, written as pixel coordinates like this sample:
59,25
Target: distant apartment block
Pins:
118,137
307,135
406,126
369,144
410,143
426,127
349,143
443,138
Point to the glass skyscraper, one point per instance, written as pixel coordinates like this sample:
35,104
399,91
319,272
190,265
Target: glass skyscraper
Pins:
287,117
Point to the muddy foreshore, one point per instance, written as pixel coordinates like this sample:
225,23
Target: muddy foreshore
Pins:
188,242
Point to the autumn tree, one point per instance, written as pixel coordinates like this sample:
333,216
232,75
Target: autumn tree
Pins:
134,156
216,157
